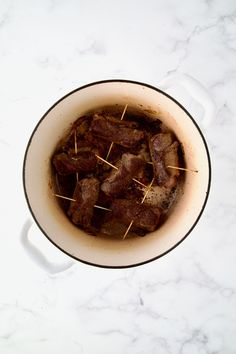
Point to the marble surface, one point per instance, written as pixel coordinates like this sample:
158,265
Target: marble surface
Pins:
182,303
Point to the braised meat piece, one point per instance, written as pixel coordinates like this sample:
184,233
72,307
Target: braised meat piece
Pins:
119,180
85,195
172,159
117,131
79,127
144,216
84,161
164,152
97,145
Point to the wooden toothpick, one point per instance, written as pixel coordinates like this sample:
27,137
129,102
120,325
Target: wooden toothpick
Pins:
74,200
76,151
100,207
105,161
148,190
62,196
177,168
124,111
141,184
182,168
127,231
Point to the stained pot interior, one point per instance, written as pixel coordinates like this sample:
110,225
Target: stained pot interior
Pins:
50,217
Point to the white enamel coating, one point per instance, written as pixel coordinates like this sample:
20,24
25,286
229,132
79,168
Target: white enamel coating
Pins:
45,209
36,253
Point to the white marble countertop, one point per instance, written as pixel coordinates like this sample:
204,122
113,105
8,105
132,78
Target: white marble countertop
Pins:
182,303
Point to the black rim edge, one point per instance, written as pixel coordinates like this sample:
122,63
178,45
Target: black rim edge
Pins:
207,192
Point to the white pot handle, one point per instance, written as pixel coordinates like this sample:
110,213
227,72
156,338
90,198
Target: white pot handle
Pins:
36,254
196,90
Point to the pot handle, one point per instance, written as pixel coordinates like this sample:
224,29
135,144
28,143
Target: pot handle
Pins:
194,89
37,255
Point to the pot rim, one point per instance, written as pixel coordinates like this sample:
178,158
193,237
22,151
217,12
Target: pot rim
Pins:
104,82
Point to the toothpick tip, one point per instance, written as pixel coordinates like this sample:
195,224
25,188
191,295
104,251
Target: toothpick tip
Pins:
182,169
127,231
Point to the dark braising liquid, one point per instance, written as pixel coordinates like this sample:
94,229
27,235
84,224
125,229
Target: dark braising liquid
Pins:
140,149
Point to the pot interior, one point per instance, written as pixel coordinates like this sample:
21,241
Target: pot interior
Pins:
46,210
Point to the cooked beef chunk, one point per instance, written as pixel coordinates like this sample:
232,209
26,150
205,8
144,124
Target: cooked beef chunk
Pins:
119,180
144,216
86,195
113,228
97,145
172,159
117,131
164,152
80,127
84,161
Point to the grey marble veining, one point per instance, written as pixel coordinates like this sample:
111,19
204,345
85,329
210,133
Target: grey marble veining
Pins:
182,303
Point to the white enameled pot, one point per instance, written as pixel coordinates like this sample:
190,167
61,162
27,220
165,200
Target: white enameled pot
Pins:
53,125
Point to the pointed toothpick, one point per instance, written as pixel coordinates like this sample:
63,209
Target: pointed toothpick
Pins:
127,231
76,147
76,151
111,146
105,161
145,195
100,207
177,168
148,190
62,197
182,168
74,200
124,111
109,151
141,184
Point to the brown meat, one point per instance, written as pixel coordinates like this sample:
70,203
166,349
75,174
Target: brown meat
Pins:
117,131
171,159
84,161
164,152
80,127
119,180
86,195
97,145
144,216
